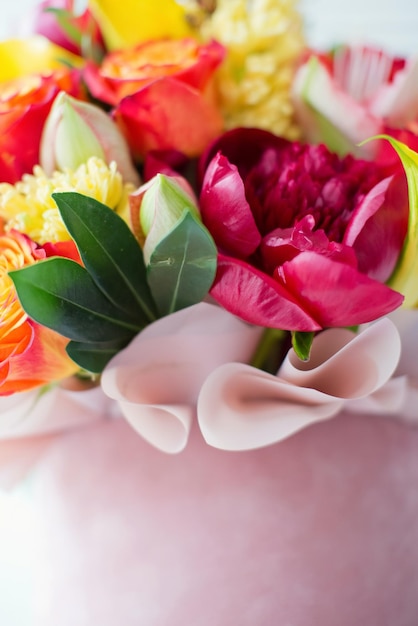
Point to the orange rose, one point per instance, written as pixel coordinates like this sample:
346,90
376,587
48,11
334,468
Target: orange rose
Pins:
162,94
30,355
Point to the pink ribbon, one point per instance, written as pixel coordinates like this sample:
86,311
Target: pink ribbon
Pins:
156,380
240,407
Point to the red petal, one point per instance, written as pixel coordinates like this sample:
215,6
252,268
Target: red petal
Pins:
257,298
168,115
334,293
242,146
378,228
225,210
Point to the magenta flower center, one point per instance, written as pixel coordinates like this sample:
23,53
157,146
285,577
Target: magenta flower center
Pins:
303,180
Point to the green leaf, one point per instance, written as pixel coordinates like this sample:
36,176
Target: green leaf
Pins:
110,253
405,275
182,266
94,357
59,294
302,343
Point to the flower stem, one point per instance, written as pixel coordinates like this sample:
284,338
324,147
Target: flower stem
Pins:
269,352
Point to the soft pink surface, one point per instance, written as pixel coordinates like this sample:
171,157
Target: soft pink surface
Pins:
319,530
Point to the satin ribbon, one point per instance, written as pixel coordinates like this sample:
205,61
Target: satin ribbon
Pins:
156,380
241,408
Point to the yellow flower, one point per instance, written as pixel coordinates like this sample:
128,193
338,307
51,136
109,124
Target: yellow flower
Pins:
28,206
35,55
127,23
264,39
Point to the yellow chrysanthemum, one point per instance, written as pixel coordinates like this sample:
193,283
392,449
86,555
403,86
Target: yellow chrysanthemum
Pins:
28,206
264,39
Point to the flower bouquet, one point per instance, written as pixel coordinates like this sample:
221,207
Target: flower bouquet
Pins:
207,227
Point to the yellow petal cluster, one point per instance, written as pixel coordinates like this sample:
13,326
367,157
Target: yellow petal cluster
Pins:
28,205
127,23
35,55
264,39
15,252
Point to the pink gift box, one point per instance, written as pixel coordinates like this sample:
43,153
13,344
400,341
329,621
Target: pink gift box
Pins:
320,529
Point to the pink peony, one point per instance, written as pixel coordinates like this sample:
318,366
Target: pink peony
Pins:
306,239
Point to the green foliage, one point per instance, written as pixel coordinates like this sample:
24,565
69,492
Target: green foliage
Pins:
102,305
302,343
182,266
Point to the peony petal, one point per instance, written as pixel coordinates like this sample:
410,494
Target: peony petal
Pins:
234,144
378,227
157,378
257,298
324,285
225,210
243,408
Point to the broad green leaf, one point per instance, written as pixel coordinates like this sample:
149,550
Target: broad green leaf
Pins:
94,357
182,267
302,343
59,293
110,253
405,276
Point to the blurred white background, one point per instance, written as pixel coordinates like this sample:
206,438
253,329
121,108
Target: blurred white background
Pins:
392,24
389,23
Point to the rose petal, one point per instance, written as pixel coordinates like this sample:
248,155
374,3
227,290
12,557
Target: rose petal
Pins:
168,115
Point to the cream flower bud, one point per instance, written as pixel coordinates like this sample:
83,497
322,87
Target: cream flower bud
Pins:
75,131
163,204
